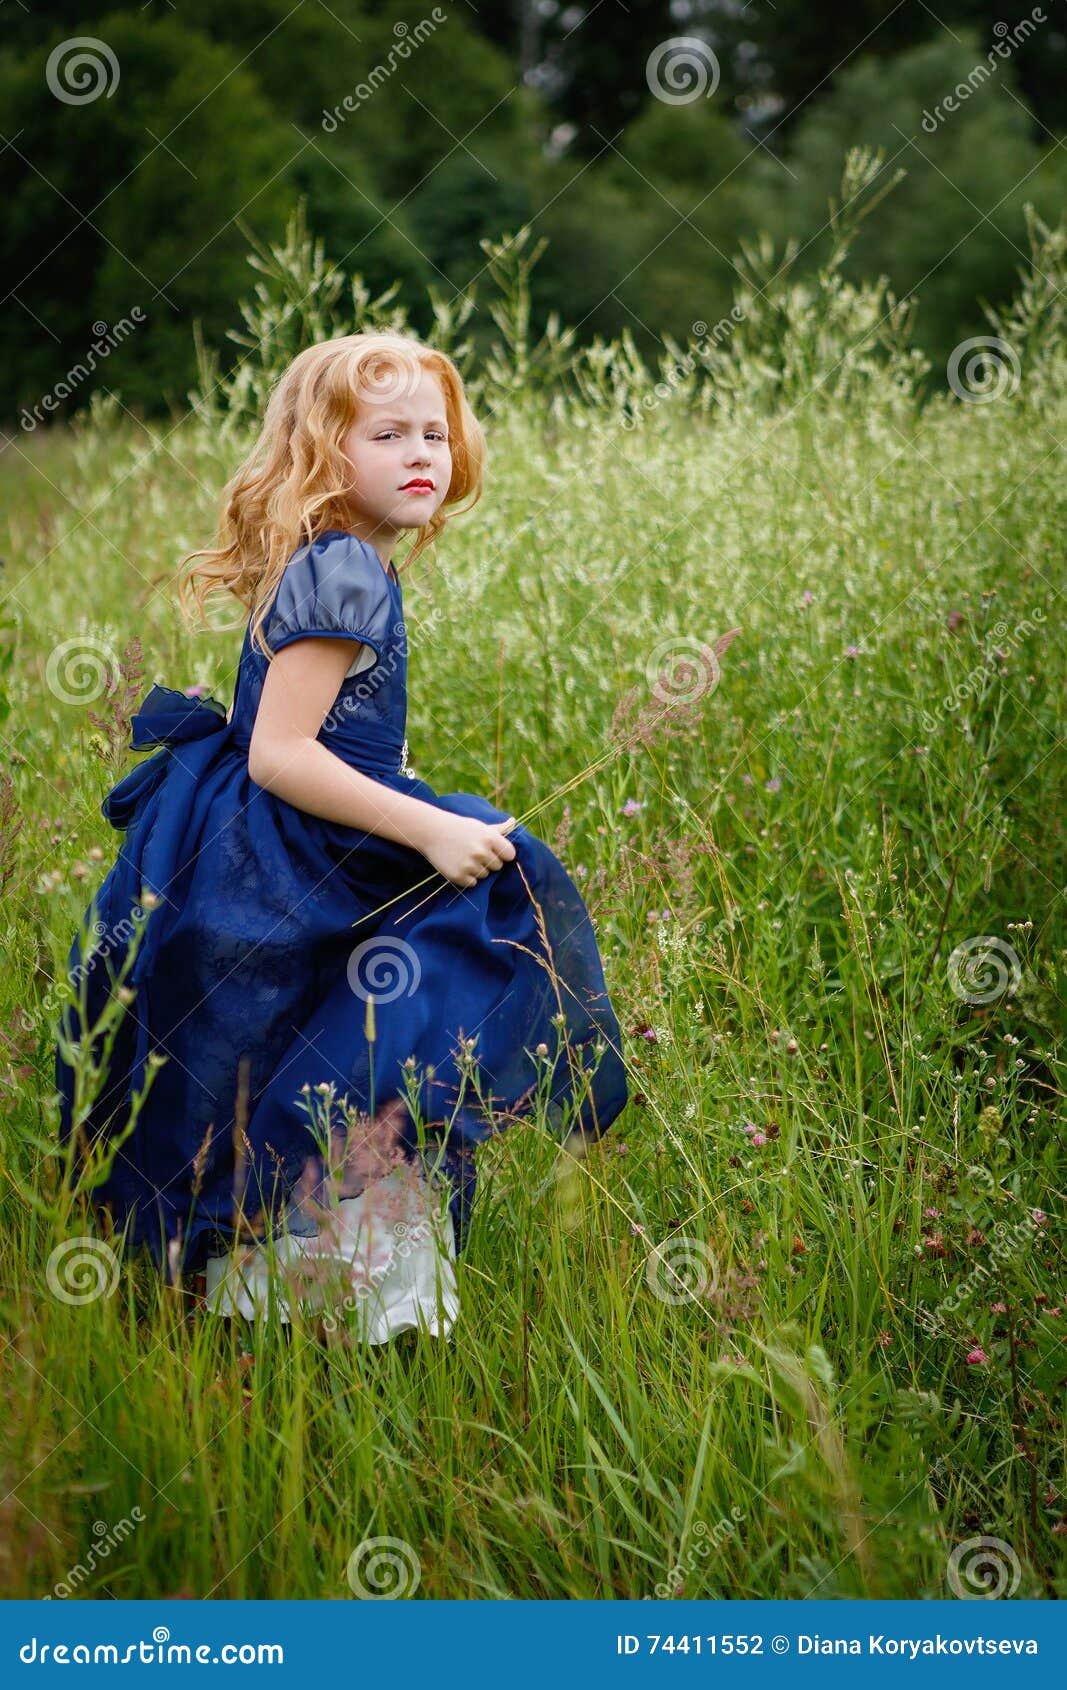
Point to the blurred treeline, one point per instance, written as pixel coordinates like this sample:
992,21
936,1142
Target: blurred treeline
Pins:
218,121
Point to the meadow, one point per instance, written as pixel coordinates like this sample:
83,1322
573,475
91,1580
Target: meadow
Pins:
795,1326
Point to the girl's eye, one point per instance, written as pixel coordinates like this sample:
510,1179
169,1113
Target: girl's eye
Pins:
436,432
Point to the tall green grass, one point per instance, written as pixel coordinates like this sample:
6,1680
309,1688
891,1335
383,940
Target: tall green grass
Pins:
796,1326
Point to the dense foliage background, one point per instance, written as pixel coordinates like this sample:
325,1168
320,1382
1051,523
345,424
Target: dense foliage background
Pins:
214,120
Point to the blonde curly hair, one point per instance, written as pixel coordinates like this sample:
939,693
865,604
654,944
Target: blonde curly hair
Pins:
295,482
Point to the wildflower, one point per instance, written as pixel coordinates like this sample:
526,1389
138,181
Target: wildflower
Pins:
542,1049
773,785
932,1213
759,1140
1038,1216
852,651
631,806
976,1357
884,1339
635,1226
935,1245
792,1047
998,1308
806,597
990,1122
746,780
953,619
974,1237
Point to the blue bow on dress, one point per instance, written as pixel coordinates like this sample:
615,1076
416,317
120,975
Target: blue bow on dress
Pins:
166,718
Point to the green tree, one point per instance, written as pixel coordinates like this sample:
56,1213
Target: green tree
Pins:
797,52
645,238
183,143
954,229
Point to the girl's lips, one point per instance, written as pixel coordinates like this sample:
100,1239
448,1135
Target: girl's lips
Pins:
418,487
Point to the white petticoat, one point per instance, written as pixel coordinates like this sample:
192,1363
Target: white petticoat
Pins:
377,1277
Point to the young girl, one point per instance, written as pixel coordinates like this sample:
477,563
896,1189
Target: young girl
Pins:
346,980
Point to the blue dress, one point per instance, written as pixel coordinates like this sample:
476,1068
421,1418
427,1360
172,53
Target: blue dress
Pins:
270,932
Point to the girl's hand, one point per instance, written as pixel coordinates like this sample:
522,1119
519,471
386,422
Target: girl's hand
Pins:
465,850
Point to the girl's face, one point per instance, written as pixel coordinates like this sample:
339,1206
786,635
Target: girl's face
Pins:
401,459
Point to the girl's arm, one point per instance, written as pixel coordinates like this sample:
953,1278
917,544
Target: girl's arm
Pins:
284,756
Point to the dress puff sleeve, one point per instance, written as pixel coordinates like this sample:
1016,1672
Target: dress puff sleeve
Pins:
336,587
